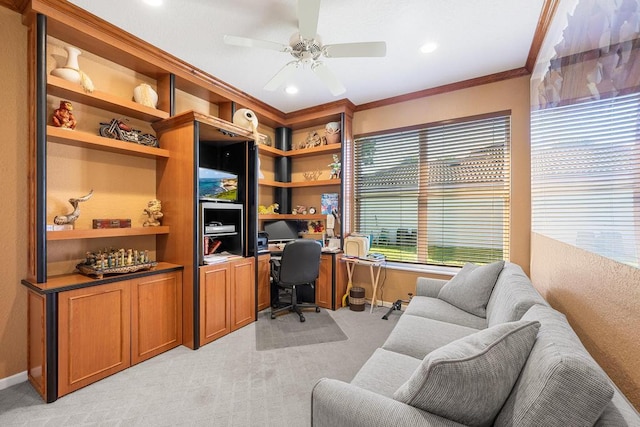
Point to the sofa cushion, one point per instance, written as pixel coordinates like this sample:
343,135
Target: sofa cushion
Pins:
437,309
560,385
385,371
418,336
469,379
512,296
470,289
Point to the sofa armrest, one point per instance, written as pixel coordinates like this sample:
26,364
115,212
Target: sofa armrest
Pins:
335,403
426,287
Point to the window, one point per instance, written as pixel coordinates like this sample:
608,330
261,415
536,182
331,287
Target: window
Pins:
585,175
438,194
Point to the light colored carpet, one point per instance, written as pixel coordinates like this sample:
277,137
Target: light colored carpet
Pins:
225,383
286,330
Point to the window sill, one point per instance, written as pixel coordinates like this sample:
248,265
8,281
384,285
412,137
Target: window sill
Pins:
422,268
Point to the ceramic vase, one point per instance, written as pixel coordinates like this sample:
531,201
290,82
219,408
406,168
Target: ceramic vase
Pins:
145,95
332,132
71,70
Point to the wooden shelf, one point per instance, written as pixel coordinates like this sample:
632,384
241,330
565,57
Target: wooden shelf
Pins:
85,139
315,217
314,151
119,106
302,184
77,280
105,232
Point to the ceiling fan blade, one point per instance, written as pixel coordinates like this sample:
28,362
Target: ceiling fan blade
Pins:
262,44
364,49
328,78
308,11
281,76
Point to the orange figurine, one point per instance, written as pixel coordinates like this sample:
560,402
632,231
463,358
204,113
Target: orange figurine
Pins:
63,116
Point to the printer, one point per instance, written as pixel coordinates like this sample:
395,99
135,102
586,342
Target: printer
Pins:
263,241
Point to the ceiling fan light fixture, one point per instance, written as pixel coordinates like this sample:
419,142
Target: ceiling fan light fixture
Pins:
428,47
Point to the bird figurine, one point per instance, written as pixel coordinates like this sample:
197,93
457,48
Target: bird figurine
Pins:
71,218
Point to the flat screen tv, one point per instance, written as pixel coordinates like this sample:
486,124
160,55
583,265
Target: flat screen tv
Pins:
217,186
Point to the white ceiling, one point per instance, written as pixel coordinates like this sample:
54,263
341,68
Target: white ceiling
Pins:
475,37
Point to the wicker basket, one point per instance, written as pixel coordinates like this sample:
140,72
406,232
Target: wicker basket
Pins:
356,299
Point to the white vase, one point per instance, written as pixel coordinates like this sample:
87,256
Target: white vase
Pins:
71,70
145,95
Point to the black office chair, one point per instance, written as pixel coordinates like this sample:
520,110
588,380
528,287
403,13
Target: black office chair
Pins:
298,266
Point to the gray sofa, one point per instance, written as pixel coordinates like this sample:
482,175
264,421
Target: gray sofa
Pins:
519,364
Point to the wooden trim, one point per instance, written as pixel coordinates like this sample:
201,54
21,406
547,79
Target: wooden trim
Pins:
546,17
478,81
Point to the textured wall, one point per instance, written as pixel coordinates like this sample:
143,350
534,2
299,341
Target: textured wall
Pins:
13,193
601,299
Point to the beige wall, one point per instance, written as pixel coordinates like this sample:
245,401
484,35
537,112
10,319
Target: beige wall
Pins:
601,299
511,95
13,193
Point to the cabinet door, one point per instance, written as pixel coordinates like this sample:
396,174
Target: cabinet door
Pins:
325,282
156,315
215,288
93,334
243,293
264,288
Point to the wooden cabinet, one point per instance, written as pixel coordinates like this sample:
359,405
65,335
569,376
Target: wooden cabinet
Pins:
226,298
243,292
330,286
94,329
81,330
264,281
156,315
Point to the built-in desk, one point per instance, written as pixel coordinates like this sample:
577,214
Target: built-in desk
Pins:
330,286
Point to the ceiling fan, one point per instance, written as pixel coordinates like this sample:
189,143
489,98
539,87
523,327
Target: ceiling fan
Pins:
307,49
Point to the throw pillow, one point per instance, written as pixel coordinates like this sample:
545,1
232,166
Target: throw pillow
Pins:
468,380
470,289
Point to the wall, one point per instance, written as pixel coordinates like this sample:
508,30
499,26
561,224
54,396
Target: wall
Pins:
13,193
511,95
601,299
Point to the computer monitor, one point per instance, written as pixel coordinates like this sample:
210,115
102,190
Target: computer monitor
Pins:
281,230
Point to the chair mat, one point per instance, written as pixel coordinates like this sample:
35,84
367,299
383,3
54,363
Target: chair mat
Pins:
286,330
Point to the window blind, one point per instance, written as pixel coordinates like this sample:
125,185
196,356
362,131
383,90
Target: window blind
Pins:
585,176
438,194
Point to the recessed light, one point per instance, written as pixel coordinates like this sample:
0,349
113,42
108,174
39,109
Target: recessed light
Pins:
428,47
153,2
291,90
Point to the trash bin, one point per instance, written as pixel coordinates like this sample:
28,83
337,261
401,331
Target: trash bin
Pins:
356,299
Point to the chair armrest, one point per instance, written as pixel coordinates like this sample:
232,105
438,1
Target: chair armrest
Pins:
426,287
336,403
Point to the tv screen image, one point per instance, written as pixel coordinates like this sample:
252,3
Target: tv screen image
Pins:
217,185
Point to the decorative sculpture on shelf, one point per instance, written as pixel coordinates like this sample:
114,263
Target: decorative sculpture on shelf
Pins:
336,167
118,129
153,211
145,95
332,131
71,218
313,140
115,261
63,116
271,209
248,120
312,175
71,71
299,209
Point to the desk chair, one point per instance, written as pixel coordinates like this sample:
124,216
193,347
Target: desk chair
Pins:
298,266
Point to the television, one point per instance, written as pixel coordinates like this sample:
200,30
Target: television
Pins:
217,186
281,230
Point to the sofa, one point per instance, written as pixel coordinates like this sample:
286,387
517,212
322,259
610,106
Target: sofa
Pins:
481,349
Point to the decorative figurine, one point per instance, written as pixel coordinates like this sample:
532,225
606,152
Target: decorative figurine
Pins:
271,209
313,140
248,120
145,95
115,261
63,116
118,129
332,132
312,176
336,167
71,218
153,212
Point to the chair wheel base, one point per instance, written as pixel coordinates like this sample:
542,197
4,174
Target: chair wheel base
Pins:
273,316
302,319
317,309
